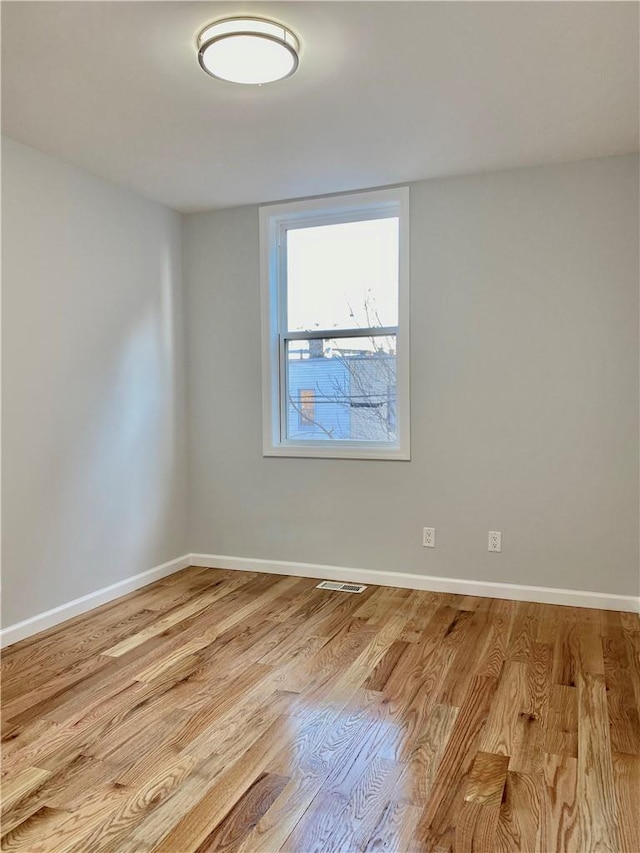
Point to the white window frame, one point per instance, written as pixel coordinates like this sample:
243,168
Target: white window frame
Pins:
275,220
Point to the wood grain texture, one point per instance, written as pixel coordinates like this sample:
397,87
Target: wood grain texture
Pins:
487,779
257,799
437,826
248,713
626,780
395,829
519,816
558,827
597,809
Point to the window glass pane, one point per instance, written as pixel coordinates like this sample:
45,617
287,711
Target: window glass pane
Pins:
343,276
342,389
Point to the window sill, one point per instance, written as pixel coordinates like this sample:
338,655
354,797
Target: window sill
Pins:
341,452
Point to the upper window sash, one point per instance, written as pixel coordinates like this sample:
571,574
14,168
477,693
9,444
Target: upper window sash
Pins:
303,221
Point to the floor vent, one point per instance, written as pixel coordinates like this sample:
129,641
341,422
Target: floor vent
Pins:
342,587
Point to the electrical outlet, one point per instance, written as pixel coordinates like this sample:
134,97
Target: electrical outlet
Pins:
428,537
495,540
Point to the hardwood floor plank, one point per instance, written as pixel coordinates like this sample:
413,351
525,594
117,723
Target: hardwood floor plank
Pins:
227,788
135,804
424,759
343,685
566,661
440,814
22,785
414,715
524,631
533,717
558,827
465,664
412,688
363,806
67,788
561,731
476,828
85,773
385,666
549,616
626,780
622,702
597,810
630,622
632,647
420,608
519,817
179,614
59,831
239,728
499,733
159,821
346,807
322,668
40,659
394,832
272,830
322,742
538,682
246,813
375,609
487,779
501,615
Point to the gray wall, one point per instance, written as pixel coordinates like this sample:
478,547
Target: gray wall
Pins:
524,389
93,395
524,392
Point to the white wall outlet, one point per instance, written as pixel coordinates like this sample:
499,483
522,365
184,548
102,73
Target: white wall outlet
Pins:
428,537
495,540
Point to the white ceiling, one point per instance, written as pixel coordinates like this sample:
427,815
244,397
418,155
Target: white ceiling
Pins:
386,92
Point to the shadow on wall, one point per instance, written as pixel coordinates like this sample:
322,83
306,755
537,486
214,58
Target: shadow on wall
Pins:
110,492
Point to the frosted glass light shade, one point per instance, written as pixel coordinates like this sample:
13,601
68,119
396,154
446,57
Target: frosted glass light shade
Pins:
247,50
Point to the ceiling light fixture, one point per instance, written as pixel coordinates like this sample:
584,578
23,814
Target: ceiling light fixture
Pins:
248,50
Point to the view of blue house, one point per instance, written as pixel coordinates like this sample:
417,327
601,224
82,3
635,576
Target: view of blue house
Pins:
341,394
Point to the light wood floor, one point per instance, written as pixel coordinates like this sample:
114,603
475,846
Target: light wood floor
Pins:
232,711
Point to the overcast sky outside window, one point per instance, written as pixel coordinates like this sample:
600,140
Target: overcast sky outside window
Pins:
334,271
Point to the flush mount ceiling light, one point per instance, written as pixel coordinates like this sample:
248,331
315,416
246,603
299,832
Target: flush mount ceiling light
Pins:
248,50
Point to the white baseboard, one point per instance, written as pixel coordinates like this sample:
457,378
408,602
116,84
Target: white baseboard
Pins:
49,618
406,580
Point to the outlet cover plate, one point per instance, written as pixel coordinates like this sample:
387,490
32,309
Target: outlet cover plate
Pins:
428,537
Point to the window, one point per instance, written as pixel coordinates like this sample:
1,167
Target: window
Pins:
335,309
